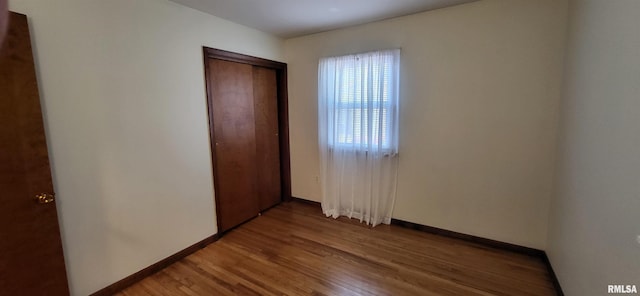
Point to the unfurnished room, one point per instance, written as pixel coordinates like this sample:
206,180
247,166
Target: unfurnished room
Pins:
319,147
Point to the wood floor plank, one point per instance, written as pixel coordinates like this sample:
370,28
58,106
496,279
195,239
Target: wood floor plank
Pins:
295,250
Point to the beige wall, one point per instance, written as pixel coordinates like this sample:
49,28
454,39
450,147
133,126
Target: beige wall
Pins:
594,222
480,89
125,108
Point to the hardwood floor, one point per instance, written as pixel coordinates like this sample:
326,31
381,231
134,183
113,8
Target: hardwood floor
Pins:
294,250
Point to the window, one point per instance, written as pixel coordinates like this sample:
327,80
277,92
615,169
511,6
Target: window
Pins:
358,134
358,101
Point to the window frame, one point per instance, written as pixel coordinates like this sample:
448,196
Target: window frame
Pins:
384,105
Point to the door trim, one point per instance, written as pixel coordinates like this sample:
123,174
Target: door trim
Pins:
283,115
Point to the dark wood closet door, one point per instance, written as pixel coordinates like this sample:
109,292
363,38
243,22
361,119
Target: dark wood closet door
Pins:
235,147
31,257
248,122
265,95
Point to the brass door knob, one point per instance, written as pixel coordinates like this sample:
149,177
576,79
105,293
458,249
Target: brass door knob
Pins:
44,198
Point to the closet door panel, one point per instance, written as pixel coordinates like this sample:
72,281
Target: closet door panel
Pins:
265,94
235,148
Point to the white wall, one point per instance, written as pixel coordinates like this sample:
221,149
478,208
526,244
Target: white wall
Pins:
480,89
124,101
595,216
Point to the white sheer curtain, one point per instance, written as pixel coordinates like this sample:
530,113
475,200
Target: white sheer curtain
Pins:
358,134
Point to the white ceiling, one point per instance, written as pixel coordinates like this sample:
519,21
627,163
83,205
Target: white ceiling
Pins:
292,18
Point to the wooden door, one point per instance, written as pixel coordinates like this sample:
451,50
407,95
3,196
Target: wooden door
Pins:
265,96
235,145
31,258
248,124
